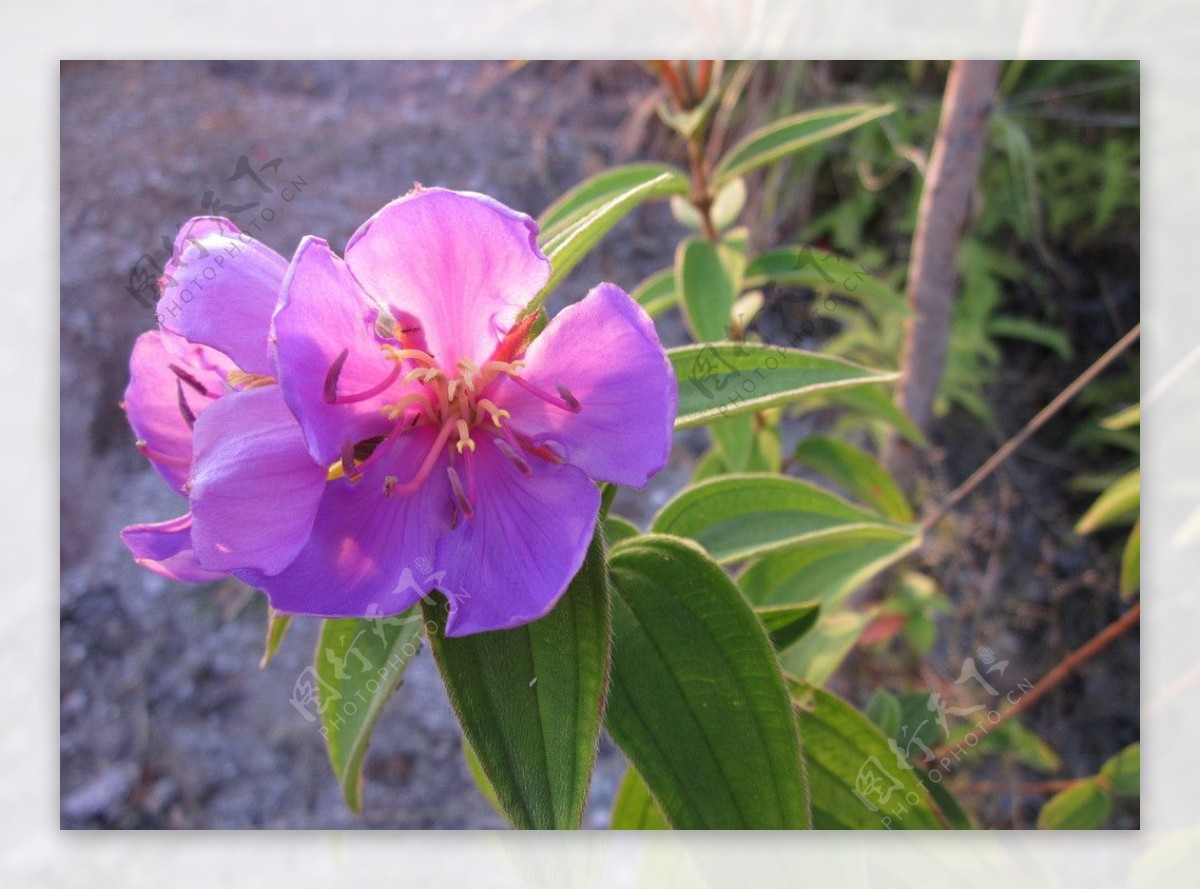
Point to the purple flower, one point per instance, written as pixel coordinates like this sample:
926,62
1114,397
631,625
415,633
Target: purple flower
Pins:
415,421
451,439
210,357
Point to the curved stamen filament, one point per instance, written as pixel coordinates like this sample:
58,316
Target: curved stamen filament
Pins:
564,399
486,407
416,355
395,410
331,394
390,487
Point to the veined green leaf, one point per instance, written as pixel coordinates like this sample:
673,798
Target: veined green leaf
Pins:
1032,332
857,472
599,190
277,626
787,624
1118,503
572,243
828,568
853,775
529,699
1080,807
739,516
697,701
359,663
634,808
824,272
657,293
718,380
791,134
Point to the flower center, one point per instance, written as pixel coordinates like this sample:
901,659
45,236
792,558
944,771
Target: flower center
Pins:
458,405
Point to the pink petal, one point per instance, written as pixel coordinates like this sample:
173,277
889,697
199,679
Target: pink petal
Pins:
165,548
220,288
152,399
322,312
509,563
462,263
254,487
606,352
368,554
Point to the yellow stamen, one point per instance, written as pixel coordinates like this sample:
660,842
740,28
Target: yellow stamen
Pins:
399,355
464,436
336,471
497,413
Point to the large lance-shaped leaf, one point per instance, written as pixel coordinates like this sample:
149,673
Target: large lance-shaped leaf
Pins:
697,702
857,472
743,515
634,808
358,664
571,244
821,271
529,699
854,777
791,134
719,380
602,188
828,568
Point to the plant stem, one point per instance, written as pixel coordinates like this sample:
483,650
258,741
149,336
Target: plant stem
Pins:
1060,671
1006,450
941,220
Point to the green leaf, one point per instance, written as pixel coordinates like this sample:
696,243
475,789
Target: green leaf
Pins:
857,472
277,626
1118,503
1131,562
718,380
791,134
742,515
1123,771
829,568
1024,745
481,780
708,277
787,624
1032,332
845,752
529,699
657,293
823,272
634,808
877,401
1123,420
618,529
359,663
697,701
821,652
593,193
728,204
1082,806
572,243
